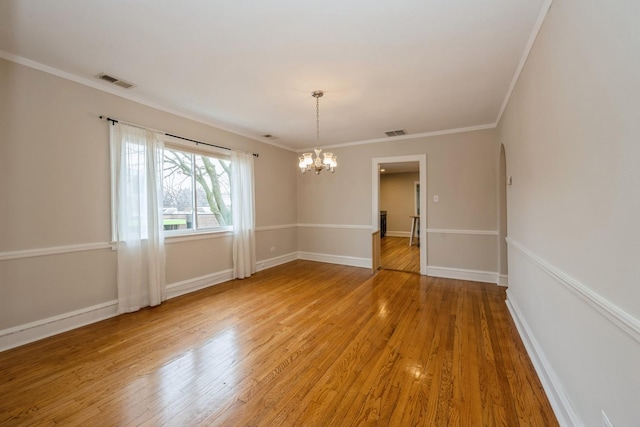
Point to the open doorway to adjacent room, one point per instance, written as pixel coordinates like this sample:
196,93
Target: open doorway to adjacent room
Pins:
399,213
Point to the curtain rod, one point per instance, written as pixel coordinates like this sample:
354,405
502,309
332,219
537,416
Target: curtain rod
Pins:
114,121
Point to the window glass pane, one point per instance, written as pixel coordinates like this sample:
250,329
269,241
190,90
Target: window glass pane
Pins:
177,207
213,192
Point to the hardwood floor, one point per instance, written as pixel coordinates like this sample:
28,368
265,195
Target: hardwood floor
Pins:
396,254
302,344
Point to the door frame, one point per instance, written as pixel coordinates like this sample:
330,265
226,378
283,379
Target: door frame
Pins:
375,198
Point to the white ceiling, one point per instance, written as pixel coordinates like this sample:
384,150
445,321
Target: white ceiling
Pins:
250,66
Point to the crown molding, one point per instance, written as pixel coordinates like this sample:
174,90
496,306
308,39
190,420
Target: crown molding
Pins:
405,137
103,87
525,55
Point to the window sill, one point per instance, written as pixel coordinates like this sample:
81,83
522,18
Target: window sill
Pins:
188,236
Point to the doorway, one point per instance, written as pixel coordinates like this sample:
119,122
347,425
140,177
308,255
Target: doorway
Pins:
405,177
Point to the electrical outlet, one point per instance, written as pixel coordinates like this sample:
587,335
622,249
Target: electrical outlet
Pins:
436,198
605,420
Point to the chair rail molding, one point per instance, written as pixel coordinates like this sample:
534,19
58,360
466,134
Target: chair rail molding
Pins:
613,313
460,231
337,226
54,250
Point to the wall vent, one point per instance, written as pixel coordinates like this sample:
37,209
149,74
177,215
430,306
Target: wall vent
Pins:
115,80
398,132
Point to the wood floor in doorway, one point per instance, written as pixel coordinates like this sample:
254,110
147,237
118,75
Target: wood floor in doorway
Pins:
396,254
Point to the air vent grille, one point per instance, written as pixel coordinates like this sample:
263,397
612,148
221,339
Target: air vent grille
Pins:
396,132
115,80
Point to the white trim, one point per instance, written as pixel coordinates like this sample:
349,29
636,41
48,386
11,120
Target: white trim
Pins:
217,234
503,280
406,234
463,274
40,329
273,262
616,315
342,226
525,55
405,137
197,283
134,97
375,198
131,96
560,403
188,237
446,231
56,250
336,259
455,231
276,227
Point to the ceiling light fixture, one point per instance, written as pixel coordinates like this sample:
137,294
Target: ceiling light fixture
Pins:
307,162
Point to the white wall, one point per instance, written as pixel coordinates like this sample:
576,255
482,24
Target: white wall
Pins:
56,262
571,133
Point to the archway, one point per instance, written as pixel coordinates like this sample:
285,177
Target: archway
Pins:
502,220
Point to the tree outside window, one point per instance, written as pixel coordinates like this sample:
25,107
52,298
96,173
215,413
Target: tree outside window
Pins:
196,191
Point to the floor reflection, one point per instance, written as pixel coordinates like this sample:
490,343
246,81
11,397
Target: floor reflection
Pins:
203,375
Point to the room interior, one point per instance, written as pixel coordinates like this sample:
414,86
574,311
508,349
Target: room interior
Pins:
526,123
399,210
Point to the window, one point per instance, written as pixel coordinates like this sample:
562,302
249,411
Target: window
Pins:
196,191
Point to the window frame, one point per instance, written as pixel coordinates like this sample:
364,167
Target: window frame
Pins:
177,144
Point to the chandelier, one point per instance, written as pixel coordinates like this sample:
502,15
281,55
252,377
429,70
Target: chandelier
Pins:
317,164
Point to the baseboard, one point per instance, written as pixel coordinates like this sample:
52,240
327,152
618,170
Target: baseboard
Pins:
610,311
406,234
34,331
30,332
336,259
273,262
562,408
197,283
503,280
24,334
463,274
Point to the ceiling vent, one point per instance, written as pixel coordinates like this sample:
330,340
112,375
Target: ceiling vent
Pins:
115,80
396,132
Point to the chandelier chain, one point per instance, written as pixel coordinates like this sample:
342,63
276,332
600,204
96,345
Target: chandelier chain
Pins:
307,162
317,121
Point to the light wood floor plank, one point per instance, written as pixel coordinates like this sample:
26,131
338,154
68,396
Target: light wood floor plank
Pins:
396,254
304,343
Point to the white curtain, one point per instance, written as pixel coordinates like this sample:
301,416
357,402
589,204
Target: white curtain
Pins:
243,215
136,171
